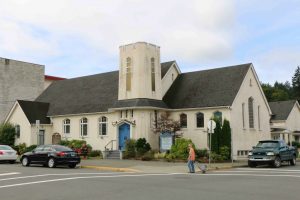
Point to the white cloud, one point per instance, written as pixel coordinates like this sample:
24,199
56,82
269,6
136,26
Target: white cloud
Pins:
192,30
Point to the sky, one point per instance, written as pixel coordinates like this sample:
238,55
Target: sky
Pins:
75,38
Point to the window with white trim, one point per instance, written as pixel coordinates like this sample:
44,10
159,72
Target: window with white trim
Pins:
103,125
200,120
183,120
84,127
67,126
153,74
17,130
251,112
218,116
128,74
243,114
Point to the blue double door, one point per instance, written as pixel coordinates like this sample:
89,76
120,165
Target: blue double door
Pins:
124,134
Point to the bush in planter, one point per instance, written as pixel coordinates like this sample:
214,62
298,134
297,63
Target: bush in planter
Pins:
20,148
7,134
142,146
30,148
95,153
129,149
180,149
225,152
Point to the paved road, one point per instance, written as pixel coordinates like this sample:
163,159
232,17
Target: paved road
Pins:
39,183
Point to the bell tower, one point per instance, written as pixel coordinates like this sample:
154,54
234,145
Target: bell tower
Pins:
140,71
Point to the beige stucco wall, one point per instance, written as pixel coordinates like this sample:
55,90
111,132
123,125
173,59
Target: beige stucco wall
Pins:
167,79
141,129
199,136
245,138
293,120
18,117
47,83
140,54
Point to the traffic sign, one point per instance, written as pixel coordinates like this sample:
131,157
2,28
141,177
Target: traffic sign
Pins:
211,125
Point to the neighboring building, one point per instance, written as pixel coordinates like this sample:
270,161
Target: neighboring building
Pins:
106,109
285,121
18,80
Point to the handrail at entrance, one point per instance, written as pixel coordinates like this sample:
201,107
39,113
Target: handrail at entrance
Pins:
111,143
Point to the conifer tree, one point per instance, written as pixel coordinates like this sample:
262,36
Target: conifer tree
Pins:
296,83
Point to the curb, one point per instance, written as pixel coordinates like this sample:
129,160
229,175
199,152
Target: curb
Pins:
115,169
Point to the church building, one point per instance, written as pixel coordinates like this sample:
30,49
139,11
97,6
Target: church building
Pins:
107,109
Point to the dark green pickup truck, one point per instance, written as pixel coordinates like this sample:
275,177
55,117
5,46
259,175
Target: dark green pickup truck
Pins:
271,152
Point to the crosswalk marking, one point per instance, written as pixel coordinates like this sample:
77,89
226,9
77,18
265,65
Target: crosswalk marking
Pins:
10,173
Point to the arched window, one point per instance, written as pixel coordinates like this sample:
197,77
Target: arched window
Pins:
128,74
153,74
200,120
103,126
17,130
66,126
251,114
83,127
218,116
183,120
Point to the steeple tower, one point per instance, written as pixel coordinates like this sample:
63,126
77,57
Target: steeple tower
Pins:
140,71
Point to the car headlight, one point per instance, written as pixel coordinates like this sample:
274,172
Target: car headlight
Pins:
250,153
270,154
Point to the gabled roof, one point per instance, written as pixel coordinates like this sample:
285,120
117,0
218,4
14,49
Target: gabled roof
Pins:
165,67
35,111
88,94
208,88
281,109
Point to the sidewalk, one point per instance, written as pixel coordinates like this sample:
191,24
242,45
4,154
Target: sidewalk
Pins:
150,166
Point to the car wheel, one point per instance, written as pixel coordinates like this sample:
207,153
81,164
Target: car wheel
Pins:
25,161
51,163
293,161
12,161
72,165
277,162
252,164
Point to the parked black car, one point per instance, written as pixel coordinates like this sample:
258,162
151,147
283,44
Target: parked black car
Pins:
272,152
51,156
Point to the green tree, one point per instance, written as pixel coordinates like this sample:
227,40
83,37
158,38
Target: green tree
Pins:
216,138
296,83
7,134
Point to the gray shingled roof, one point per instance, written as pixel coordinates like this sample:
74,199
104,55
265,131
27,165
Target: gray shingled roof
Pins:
165,67
86,94
281,109
98,93
35,111
208,88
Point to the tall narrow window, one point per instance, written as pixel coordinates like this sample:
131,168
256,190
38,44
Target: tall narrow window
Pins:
218,116
251,114
17,130
200,120
103,126
258,117
83,127
243,114
66,126
131,113
155,118
183,120
153,74
128,74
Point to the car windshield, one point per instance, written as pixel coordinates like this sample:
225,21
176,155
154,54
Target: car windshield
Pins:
5,148
268,144
62,148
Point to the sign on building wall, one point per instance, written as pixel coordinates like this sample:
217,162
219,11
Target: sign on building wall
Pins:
166,141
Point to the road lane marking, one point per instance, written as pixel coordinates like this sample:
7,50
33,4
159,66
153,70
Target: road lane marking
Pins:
87,177
10,173
44,175
257,169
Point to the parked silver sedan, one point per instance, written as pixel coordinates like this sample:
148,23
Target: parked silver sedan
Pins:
8,154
